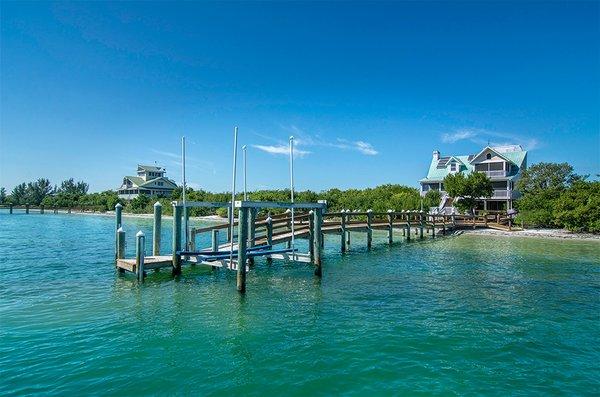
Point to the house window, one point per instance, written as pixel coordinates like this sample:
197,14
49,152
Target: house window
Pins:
488,156
453,167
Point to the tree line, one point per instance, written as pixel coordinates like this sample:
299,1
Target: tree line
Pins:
552,196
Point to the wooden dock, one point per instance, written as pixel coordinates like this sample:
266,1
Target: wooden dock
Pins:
261,234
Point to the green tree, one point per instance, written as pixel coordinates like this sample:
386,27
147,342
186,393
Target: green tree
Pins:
466,191
38,190
546,176
578,208
19,194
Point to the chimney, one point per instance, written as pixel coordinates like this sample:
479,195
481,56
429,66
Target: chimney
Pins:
436,155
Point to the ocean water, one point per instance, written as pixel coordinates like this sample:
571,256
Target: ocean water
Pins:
454,315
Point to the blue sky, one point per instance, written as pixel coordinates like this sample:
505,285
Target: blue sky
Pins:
88,90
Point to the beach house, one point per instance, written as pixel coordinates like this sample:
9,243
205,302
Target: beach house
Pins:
150,180
502,164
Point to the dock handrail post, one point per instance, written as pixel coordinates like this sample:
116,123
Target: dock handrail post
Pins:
343,231
120,248
408,226
27,208
391,217
10,208
140,245
421,223
176,239
156,229
118,225
369,228
318,244
242,242
41,208
311,235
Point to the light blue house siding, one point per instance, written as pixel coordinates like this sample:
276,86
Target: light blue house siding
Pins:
502,164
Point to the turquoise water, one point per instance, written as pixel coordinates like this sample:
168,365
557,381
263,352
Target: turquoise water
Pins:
457,315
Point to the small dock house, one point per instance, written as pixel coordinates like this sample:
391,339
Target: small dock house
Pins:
150,180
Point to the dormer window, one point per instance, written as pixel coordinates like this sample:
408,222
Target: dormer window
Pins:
488,156
453,167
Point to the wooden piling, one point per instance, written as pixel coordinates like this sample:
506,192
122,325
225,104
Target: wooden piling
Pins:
390,217
242,242
140,242
10,209
214,240
156,229
251,230
343,231
318,243
311,235
407,226
369,228
118,225
120,247
176,239
27,208
421,223
41,208
433,227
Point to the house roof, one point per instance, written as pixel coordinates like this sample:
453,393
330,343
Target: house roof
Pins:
140,182
152,168
438,168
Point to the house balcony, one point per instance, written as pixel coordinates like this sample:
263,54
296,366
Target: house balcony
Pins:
495,174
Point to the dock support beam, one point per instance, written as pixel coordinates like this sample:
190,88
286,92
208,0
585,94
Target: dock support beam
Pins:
41,208
369,228
156,229
318,241
27,208
140,242
242,242
421,223
407,226
433,228
343,232
176,239
10,209
230,219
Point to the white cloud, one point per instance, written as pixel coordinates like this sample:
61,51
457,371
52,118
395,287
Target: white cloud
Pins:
281,150
365,148
457,136
492,138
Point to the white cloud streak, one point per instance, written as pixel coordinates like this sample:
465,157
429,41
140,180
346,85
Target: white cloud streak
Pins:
492,138
281,150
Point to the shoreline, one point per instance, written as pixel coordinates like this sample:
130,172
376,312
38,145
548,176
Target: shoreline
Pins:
207,218
560,234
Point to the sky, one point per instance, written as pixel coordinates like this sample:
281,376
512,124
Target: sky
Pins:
368,90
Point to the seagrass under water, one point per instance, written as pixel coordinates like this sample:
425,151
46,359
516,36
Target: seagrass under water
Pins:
459,315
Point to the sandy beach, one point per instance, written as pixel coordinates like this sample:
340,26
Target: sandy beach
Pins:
539,233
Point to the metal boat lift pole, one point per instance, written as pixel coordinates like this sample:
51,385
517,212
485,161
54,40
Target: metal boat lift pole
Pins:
292,189
185,211
235,136
244,150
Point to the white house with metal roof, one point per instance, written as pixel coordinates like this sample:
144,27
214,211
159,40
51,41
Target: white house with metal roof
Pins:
150,180
502,164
